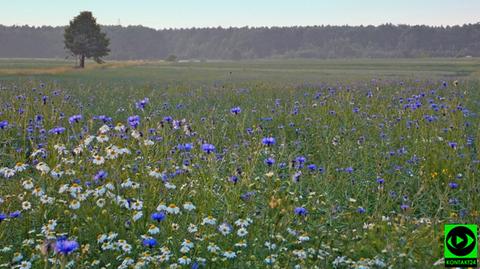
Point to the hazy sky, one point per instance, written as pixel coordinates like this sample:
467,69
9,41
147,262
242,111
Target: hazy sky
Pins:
212,13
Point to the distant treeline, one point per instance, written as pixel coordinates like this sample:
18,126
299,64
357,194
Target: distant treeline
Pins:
138,42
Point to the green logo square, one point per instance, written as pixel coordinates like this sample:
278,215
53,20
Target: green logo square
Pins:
460,245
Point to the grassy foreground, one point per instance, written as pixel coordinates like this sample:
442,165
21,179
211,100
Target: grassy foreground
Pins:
281,164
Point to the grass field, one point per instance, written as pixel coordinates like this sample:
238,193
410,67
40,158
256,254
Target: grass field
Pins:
252,164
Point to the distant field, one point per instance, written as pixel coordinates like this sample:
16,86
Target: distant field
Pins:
243,72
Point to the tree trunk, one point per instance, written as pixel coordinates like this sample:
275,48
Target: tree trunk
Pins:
82,61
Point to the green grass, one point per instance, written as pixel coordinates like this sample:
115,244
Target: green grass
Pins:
272,71
309,107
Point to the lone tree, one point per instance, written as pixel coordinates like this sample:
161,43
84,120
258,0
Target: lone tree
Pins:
85,40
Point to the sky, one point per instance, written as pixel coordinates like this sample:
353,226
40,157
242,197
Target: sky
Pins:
162,14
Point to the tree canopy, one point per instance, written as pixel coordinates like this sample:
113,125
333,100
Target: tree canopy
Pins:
138,42
84,38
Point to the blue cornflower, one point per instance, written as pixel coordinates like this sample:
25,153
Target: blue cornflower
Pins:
300,211
300,159
246,196
453,185
149,242
185,147
56,130
453,145
158,216
208,148
234,179
100,175
2,217
404,207
349,169
269,141
361,210
380,180
65,247
14,214
3,124
269,161
142,103
103,118
188,146
75,119
312,167
168,119
236,110
134,121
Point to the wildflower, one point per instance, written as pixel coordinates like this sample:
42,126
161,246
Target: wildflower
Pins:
224,228
242,232
268,141
137,205
42,167
303,238
213,248
14,214
153,229
208,148
134,121
20,167
3,124
102,138
300,211
236,110
229,254
7,172
98,160
243,222
25,265
142,103
187,243
138,215
120,127
65,247
74,204
209,220
269,161
26,205
104,129
75,119
270,259
57,130
184,260
453,185
101,202
173,209
189,206
158,216
100,175
149,242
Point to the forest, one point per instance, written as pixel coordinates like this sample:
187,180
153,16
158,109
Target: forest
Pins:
141,43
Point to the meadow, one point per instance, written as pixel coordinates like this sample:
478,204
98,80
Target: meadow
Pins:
250,164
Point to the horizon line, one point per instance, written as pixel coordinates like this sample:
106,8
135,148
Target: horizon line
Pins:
254,27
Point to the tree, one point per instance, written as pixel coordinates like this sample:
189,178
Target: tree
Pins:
85,40
171,58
